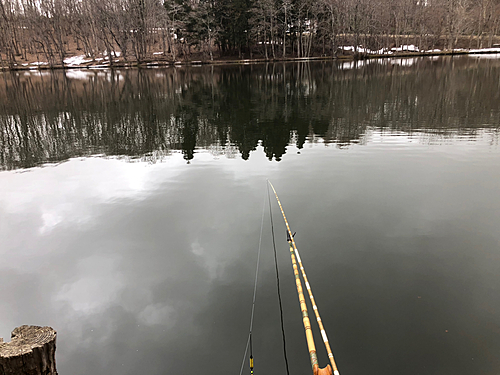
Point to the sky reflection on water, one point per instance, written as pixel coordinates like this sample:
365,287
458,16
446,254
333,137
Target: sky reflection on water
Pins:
149,267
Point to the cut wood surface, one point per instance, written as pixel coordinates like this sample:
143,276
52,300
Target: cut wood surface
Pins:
31,351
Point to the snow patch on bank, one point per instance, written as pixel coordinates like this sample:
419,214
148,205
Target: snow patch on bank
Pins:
76,60
413,48
406,48
362,49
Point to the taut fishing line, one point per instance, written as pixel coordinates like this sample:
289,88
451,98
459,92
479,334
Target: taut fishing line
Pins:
249,341
278,282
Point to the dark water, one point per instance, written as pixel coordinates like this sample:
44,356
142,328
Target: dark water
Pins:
144,263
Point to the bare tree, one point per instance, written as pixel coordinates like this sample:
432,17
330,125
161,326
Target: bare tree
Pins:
8,42
286,6
263,22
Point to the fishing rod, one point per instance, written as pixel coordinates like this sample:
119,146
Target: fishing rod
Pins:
294,254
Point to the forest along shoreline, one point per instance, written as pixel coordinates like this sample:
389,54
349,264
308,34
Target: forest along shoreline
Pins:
50,34
346,53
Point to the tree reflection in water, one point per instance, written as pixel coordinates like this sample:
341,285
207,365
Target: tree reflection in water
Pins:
52,116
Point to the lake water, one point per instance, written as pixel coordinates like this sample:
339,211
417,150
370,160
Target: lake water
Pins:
131,205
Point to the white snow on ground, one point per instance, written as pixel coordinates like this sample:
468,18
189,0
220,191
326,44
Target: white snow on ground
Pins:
116,54
491,53
361,49
382,51
413,48
76,60
402,48
487,53
406,47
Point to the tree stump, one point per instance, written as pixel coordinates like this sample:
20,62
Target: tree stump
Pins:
31,351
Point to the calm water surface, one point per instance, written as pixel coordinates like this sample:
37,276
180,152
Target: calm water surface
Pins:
131,205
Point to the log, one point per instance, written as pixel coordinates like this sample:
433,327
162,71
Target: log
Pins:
31,351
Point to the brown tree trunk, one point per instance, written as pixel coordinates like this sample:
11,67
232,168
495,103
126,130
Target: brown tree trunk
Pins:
31,351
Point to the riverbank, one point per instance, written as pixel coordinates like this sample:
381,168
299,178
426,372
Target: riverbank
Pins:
348,53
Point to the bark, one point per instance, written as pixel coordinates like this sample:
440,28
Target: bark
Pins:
31,351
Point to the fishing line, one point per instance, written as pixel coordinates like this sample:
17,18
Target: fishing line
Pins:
278,282
249,340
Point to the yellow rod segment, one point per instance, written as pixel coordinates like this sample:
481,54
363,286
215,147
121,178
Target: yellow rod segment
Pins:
293,249
303,309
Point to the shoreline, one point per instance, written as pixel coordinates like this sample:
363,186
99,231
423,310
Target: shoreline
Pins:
164,63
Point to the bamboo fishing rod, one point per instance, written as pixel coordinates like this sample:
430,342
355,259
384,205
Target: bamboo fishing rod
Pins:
294,254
